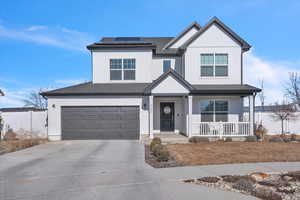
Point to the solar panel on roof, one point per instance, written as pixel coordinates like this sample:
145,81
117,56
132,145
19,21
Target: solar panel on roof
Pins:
127,39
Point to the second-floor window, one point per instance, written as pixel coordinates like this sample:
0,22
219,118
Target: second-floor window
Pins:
214,65
122,69
166,65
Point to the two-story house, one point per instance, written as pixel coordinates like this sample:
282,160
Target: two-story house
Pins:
190,84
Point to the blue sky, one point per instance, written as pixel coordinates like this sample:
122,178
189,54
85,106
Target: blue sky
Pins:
42,43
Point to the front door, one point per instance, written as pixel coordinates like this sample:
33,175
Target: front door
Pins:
166,116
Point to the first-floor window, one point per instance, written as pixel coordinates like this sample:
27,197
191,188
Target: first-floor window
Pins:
122,69
214,110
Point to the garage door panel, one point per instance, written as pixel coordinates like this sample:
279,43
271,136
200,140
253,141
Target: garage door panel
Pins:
100,122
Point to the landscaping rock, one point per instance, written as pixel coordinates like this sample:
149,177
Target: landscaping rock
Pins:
244,185
287,178
258,176
209,179
286,190
266,193
232,179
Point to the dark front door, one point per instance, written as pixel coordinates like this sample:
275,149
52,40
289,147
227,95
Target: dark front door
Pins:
166,116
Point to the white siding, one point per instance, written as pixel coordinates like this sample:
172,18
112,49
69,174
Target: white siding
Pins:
157,65
101,73
169,86
31,123
184,38
55,104
213,40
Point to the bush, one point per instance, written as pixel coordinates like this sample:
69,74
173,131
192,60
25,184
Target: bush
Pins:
10,135
251,139
276,139
293,137
233,179
197,139
161,153
285,137
228,139
155,141
243,185
260,131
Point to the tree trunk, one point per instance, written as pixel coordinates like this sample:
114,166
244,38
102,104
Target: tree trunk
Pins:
281,126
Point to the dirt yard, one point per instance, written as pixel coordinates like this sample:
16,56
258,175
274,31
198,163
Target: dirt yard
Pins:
234,152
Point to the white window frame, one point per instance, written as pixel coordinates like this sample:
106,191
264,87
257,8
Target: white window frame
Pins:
122,69
214,108
214,65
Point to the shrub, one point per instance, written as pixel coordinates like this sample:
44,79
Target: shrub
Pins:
243,185
251,138
155,141
293,137
209,179
228,139
260,131
161,153
197,139
285,137
10,135
276,139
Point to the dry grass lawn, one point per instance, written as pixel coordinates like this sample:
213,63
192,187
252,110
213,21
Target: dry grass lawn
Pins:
234,152
7,146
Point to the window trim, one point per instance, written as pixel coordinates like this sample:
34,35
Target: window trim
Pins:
122,69
214,65
214,109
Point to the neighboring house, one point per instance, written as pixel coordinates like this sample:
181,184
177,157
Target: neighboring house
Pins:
190,84
25,121
264,115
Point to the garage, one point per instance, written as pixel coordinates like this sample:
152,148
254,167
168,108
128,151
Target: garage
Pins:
100,122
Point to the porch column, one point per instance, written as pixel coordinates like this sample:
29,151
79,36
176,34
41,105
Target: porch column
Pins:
190,109
251,113
151,116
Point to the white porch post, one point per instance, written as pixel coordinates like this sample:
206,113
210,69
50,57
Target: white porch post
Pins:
190,108
251,113
151,116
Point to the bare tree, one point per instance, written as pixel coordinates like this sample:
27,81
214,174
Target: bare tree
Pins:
35,100
292,88
284,111
261,95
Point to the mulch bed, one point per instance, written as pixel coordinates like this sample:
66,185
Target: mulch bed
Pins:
151,160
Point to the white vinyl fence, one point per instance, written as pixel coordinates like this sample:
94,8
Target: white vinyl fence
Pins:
26,123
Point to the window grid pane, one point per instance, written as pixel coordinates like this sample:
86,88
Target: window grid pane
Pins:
115,63
129,74
207,59
128,63
207,70
214,110
221,71
115,74
221,59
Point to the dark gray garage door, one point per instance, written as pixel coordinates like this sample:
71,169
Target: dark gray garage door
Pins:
100,122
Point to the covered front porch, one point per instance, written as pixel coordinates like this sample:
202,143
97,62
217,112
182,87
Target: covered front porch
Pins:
206,116
176,106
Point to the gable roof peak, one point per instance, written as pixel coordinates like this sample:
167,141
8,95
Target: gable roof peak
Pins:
180,35
214,20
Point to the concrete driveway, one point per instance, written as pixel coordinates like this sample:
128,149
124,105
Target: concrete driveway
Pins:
102,170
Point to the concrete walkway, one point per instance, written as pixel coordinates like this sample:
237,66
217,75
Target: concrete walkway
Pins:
108,170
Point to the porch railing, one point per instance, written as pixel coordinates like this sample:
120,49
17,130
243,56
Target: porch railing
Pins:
220,129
